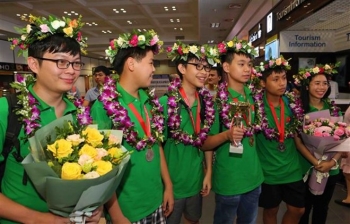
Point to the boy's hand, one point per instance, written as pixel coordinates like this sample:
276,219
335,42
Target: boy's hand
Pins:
206,186
96,216
235,134
168,202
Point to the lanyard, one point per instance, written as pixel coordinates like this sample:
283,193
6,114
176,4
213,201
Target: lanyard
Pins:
196,126
146,127
280,125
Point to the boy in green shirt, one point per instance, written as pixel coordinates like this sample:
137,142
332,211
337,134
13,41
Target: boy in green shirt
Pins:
189,112
145,193
278,118
53,49
237,173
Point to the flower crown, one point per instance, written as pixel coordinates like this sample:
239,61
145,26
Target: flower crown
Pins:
238,46
134,39
180,51
279,62
40,28
304,74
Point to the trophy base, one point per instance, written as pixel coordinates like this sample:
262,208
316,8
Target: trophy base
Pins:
236,149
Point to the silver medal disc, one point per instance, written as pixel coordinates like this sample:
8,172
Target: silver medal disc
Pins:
281,147
149,155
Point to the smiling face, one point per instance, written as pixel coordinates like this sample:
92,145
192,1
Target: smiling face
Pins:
318,86
276,83
191,75
50,78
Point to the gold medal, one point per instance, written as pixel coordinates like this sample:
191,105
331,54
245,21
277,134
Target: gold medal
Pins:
251,141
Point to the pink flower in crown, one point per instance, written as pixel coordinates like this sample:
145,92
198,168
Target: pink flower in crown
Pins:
307,74
179,50
44,28
238,46
202,50
271,63
169,49
134,41
154,40
79,36
22,46
15,42
111,43
221,47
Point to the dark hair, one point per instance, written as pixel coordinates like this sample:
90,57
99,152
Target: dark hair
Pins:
54,44
230,55
304,94
103,69
268,72
190,57
135,52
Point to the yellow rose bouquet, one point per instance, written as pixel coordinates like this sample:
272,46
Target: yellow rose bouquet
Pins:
75,168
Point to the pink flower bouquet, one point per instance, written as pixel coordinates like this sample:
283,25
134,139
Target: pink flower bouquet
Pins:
323,135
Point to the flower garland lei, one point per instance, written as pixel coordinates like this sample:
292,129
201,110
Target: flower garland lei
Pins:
272,133
174,119
121,120
334,110
224,108
29,113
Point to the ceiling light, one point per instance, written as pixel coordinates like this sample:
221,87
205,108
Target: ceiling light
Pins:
165,7
175,28
109,31
181,29
65,12
214,25
210,41
171,20
174,9
144,30
18,14
25,14
72,11
234,6
139,30
103,31
69,14
178,20
122,9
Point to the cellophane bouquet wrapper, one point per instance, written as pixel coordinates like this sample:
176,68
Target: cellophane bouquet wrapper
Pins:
65,197
323,148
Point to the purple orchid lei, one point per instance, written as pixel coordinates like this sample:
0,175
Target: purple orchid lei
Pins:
261,119
121,120
174,119
29,114
334,110
224,108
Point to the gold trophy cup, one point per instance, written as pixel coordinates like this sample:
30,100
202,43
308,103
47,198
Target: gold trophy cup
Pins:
239,111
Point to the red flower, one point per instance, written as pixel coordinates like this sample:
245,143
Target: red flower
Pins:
134,41
111,43
221,47
180,50
79,36
168,49
321,70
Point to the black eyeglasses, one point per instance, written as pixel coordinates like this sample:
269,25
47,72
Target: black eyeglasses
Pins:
64,64
200,66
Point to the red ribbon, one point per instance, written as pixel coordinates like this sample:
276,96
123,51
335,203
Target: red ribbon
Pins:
145,126
280,124
196,126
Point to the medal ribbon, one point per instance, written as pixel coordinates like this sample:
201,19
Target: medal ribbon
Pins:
196,126
280,124
146,127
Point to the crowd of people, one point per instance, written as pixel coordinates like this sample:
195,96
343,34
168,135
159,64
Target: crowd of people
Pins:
260,159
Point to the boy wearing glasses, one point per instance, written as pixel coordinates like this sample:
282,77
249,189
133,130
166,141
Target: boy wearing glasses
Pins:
189,114
55,58
100,74
237,174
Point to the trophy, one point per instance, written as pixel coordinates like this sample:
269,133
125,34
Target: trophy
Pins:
240,112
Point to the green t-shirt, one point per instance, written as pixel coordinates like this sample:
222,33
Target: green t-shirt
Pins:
305,164
12,186
235,174
183,158
141,190
279,167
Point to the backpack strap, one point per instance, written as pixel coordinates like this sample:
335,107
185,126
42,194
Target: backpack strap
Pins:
13,129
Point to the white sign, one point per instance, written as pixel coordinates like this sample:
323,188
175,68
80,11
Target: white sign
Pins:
269,22
306,41
256,35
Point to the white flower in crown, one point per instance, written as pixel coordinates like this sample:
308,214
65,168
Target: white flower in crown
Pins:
23,37
175,46
249,50
141,38
29,28
213,51
193,49
316,70
326,67
120,42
